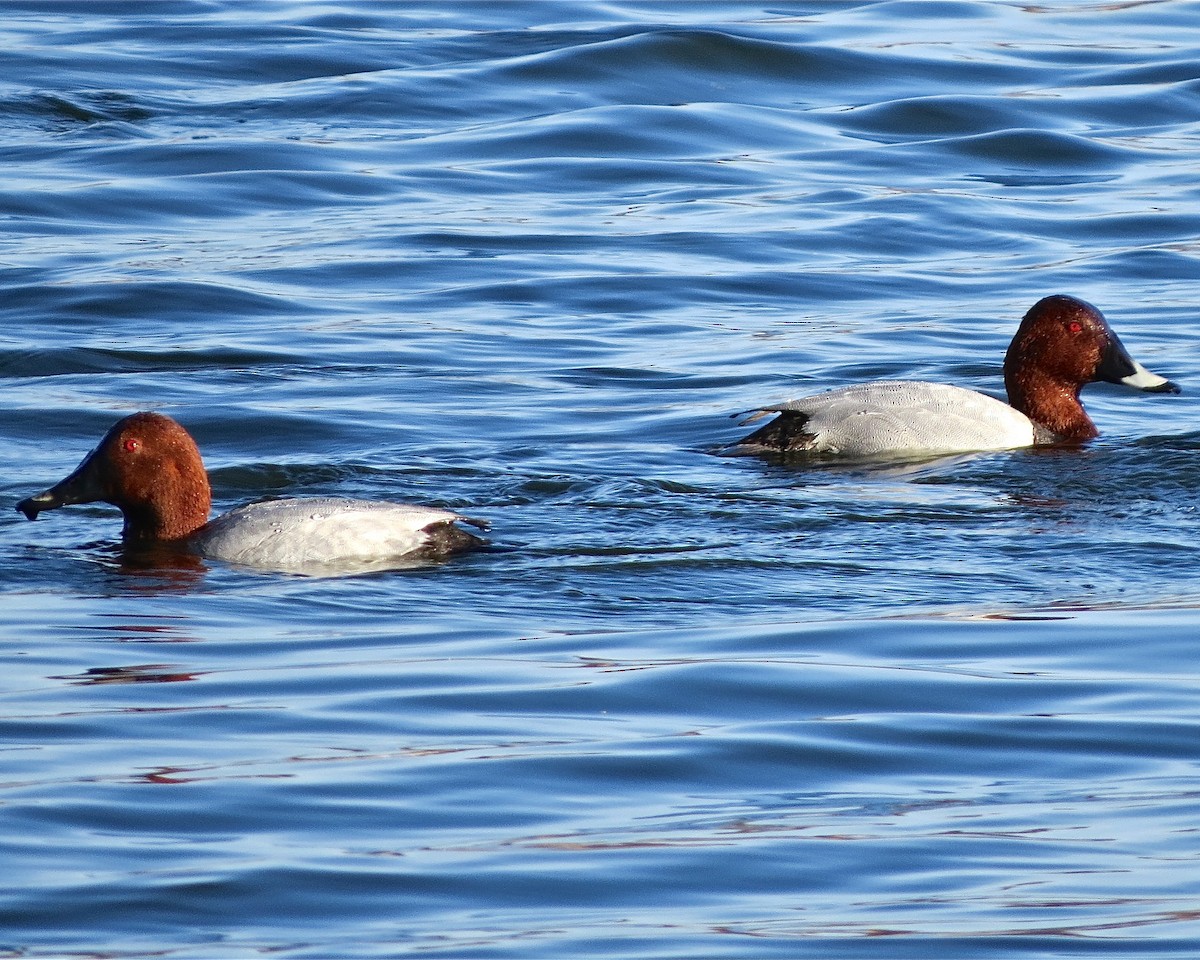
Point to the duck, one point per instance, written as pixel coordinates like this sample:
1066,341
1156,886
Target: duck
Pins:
1062,343
149,467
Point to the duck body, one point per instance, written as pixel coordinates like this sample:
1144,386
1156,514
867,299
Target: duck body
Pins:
1062,344
149,467
893,416
298,534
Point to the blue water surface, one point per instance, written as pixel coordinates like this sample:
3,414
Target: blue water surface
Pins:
525,260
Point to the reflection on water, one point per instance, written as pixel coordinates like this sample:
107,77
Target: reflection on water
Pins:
138,673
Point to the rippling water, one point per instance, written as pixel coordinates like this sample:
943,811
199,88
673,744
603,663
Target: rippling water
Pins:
525,260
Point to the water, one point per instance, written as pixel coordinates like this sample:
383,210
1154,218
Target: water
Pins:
524,260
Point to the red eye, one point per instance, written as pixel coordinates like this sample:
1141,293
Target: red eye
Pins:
132,444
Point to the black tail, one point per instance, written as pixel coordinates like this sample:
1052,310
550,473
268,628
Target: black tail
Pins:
785,434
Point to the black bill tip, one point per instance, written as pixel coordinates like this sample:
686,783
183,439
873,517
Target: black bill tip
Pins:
32,506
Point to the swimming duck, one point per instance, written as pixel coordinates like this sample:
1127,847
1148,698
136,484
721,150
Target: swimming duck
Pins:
1062,344
150,467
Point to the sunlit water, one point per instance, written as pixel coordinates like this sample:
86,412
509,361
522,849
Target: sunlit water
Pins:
525,260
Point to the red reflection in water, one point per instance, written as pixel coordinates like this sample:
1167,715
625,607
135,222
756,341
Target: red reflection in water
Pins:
137,673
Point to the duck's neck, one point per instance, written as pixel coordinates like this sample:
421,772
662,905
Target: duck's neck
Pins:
1051,405
173,513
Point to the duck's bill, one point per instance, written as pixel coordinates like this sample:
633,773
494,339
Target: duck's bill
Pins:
1117,366
1143,379
57,496
79,487
32,506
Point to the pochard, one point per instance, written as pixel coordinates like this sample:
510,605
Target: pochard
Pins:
1062,344
149,466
